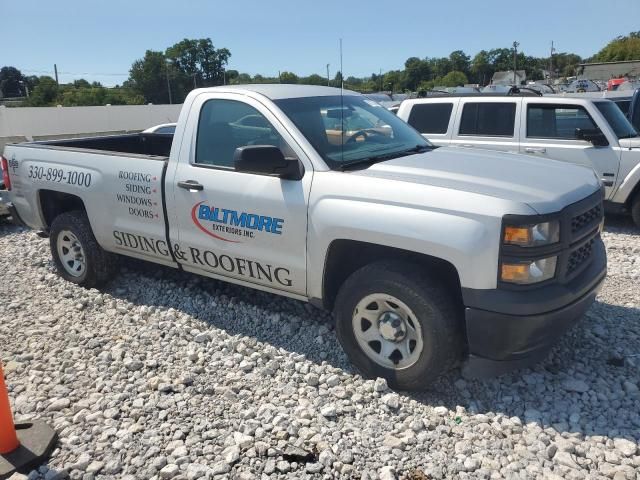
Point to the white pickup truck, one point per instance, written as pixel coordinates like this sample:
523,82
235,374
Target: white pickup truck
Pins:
575,129
429,257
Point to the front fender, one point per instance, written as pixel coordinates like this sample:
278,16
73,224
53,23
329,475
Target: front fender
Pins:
469,242
628,184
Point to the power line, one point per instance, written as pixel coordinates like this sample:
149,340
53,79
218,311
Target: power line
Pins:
75,73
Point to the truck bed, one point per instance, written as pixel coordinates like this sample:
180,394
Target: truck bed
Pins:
151,144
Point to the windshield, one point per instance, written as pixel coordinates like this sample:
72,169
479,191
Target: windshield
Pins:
619,123
349,129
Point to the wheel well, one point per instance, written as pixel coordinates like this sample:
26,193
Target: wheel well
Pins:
54,203
635,194
346,256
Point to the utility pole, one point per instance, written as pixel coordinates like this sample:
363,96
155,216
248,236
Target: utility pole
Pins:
328,78
381,81
515,61
194,81
168,83
55,69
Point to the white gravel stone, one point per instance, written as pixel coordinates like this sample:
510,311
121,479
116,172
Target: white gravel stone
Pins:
626,447
380,385
169,471
162,374
328,411
573,385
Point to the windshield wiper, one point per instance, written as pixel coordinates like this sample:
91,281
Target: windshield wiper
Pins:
368,161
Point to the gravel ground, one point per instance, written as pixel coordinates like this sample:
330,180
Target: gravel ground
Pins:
168,375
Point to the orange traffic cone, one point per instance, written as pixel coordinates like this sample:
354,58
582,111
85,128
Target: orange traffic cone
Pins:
8,438
23,446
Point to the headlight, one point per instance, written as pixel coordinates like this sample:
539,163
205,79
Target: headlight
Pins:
546,233
528,272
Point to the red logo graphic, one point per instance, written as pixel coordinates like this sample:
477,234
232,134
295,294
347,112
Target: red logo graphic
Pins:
196,221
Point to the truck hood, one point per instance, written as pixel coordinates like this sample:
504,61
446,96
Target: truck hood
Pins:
545,185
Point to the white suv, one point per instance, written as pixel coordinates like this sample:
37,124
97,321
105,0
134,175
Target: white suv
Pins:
585,131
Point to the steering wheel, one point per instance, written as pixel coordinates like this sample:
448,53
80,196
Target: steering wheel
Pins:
364,133
360,133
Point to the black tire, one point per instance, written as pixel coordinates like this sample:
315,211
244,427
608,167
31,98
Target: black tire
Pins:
99,264
433,306
635,210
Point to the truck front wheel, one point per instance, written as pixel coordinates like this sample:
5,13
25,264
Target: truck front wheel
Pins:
635,210
395,322
76,253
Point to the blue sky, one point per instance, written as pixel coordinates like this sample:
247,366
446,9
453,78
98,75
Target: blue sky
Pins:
100,40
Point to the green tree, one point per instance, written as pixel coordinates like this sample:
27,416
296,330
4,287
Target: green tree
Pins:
188,64
288,77
481,67
440,66
454,79
314,79
148,77
565,64
44,94
232,76
337,80
394,81
10,82
459,61
415,71
620,49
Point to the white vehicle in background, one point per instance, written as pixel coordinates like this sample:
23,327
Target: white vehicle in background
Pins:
571,128
163,128
627,99
578,86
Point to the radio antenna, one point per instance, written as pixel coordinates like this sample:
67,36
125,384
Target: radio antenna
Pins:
341,105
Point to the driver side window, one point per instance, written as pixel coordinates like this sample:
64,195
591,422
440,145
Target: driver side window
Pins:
225,125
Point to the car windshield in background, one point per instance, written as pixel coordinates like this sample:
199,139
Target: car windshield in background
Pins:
619,123
351,129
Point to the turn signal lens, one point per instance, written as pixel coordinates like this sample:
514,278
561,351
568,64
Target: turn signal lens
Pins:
528,272
539,234
517,235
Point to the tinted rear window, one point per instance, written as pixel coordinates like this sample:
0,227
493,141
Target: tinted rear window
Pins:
488,119
431,117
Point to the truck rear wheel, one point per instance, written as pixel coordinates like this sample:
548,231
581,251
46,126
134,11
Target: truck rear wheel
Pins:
635,210
76,253
395,322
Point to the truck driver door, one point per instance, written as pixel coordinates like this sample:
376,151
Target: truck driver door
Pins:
232,224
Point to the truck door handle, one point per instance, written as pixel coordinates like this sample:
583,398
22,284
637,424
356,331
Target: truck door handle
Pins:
535,150
191,185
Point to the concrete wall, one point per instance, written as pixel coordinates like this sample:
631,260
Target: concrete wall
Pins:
37,123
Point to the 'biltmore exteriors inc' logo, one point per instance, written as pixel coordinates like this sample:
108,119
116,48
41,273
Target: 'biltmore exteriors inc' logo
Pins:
222,223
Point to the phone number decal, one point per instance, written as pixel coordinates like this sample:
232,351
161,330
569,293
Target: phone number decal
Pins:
59,175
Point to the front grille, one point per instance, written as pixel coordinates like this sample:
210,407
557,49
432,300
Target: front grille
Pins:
586,219
579,256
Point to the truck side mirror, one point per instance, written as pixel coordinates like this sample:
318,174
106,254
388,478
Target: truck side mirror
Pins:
593,135
267,160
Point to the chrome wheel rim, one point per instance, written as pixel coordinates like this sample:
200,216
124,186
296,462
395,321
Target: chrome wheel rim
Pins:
71,253
387,331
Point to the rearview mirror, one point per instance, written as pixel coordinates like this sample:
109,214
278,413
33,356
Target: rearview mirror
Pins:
267,160
339,113
593,135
